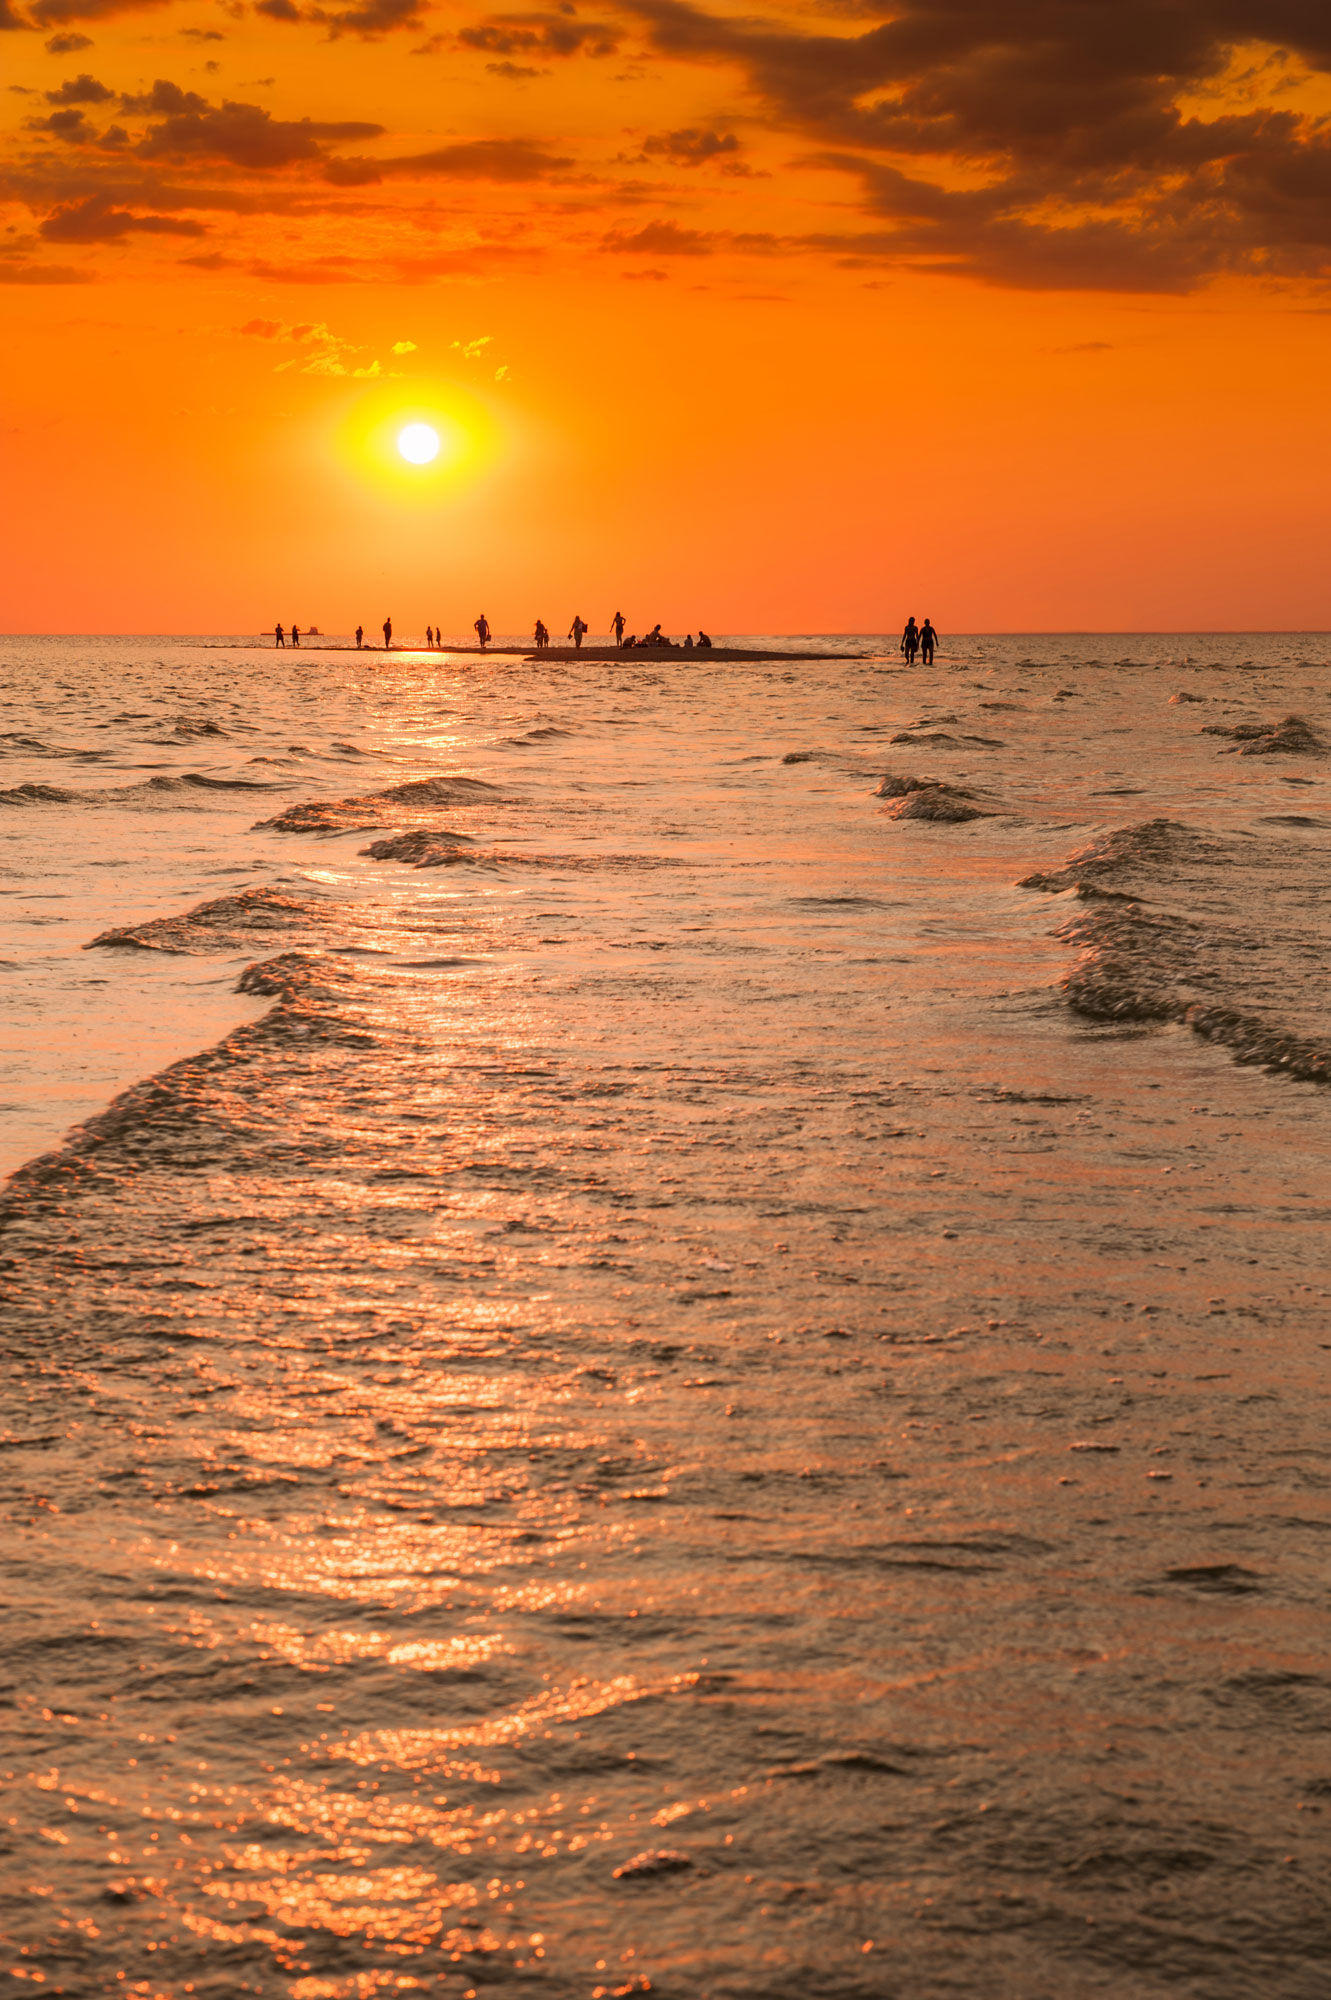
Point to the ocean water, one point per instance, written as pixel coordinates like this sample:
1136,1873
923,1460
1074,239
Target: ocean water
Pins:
682,1342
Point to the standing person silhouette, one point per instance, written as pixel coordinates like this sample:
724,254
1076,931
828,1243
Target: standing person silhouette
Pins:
910,640
360,637
576,630
281,639
617,627
295,635
928,640
482,630
541,635
429,637
388,635
438,638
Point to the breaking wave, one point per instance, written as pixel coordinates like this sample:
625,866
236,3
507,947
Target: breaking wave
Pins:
1290,737
225,924
192,1116
1225,934
151,791
421,847
371,809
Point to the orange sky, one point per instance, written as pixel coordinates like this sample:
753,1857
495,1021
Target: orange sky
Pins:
1010,311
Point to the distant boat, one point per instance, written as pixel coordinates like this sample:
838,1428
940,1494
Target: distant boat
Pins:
313,632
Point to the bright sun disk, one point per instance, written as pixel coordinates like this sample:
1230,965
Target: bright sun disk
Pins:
418,444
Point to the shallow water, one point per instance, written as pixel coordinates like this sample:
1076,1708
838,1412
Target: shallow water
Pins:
690,1390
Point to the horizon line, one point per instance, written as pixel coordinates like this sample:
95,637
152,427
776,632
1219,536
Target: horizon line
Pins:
991,632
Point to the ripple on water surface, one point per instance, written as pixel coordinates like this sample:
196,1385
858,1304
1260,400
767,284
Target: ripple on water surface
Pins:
672,1419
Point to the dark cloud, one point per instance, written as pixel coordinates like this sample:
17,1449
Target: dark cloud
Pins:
164,97
660,239
242,135
203,34
71,126
68,45
11,21
539,35
373,17
366,18
83,89
42,274
94,220
473,160
692,147
1138,145
48,180
1072,115
50,13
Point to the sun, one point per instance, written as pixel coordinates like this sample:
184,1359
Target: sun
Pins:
420,453
418,444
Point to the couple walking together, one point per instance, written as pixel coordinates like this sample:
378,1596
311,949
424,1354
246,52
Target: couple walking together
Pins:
919,639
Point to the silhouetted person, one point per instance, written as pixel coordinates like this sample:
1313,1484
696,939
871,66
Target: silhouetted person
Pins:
438,638
360,637
653,638
429,636
576,630
388,635
541,634
281,639
910,640
928,640
688,642
295,635
703,640
617,627
482,630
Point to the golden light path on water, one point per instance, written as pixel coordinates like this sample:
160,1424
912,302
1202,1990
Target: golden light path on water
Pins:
662,1416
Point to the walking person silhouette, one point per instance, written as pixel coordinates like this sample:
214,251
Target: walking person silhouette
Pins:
360,637
928,640
281,640
388,635
295,635
482,630
576,630
910,640
617,627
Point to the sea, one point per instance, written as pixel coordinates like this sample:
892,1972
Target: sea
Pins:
666,1322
